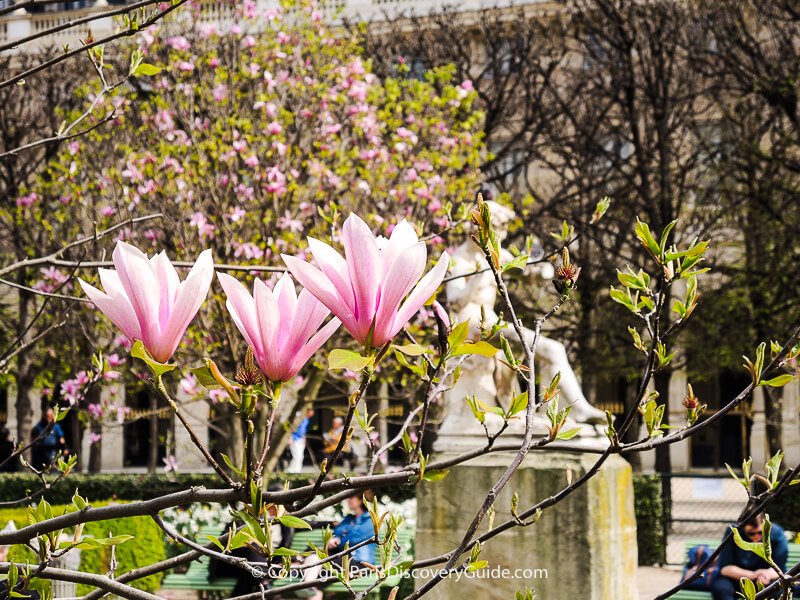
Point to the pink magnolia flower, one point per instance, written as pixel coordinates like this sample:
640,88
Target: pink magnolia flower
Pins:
146,299
282,327
366,288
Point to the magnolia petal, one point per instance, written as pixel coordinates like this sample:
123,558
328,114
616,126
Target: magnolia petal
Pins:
117,308
168,282
335,269
141,287
408,267
365,268
312,279
421,293
403,237
322,336
286,297
190,297
242,308
310,315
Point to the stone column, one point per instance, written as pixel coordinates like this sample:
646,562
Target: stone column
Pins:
584,547
112,453
679,452
791,423
196,412
758,433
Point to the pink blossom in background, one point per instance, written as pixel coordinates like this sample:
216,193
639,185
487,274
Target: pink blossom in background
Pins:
115,360
248,250
147,301
204,228
185,66
220,92
274,128
188,385
237,214
108,211
170,464
366,288
27,200
95,437
178,42
284,329
251,161
207,30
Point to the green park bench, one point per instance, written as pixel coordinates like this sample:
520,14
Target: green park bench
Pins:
303,538
794,558
196,577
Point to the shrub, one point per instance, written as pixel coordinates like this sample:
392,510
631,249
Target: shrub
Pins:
130,486
145,549
649,511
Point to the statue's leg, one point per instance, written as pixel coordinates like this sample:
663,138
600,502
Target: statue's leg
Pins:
551,359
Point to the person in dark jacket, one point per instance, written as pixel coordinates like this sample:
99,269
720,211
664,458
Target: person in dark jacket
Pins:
736,563
48,440
246,582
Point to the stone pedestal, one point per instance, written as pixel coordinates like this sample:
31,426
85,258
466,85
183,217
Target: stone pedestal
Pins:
584,547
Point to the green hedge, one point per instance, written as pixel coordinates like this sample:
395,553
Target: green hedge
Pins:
128,486
649,511
145,549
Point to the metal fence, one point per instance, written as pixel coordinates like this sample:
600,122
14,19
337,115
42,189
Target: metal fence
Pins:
698,506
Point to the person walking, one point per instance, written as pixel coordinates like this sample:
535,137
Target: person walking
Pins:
297,444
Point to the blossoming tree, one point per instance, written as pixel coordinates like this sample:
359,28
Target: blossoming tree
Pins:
247,140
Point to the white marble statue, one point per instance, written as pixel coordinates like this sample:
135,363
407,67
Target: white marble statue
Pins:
489,379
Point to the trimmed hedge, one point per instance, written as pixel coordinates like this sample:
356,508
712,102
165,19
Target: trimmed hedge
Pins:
648,505
132,486
146,548
649,509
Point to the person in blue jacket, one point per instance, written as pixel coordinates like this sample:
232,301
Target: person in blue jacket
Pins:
354,529
736,563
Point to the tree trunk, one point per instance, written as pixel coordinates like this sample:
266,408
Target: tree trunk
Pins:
773,413
282,435
25,368
96,449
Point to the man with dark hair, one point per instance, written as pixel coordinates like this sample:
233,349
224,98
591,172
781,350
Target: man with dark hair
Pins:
736,563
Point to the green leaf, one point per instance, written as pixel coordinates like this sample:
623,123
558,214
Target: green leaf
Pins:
140,352
147,70
748,588
347,359
285,552
477,565
518,404
216,542
435,474
413,349
458,335
480,348
79,502
779,381
757,549
97,543
735,476
518,262
293,522
568,434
